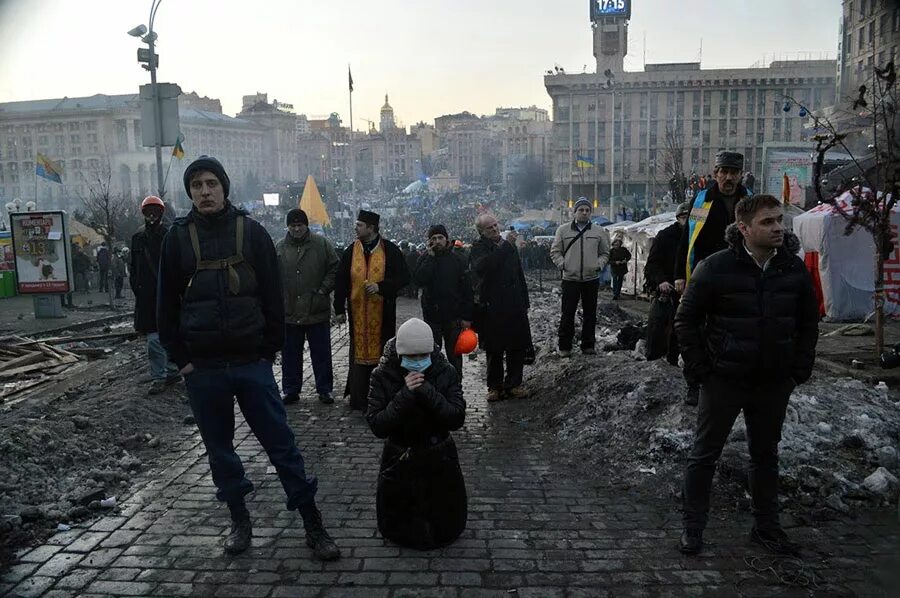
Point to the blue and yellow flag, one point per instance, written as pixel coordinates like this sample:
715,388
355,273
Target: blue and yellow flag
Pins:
178,150
584,162
46,168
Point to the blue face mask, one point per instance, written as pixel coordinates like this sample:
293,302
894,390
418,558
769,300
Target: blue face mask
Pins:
415,365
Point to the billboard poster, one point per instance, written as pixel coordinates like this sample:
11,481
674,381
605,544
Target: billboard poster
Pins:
604,9
797,165
40,252
7,261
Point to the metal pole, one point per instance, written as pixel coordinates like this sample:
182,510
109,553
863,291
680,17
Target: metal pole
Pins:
612,156
156,115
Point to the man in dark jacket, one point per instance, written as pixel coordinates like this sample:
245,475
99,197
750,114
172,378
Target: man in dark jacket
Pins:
502,312
103,263
712,212
146,245
659,277
618,265
447,298
371,273
414,403
221,319
747,326
308,268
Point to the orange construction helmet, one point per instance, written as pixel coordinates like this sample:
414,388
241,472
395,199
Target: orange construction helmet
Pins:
152,200
466,342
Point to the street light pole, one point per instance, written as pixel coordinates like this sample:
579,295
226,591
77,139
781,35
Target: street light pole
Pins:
156,110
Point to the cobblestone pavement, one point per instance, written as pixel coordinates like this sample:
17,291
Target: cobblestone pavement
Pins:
536,528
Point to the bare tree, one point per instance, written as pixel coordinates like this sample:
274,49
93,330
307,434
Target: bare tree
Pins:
872,178
106,208
673,164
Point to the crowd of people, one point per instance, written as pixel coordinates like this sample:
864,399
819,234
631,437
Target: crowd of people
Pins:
218,299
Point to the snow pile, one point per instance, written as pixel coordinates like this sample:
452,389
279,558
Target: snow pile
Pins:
624,418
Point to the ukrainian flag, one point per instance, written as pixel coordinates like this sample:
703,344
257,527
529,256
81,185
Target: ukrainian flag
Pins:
584,162
46,168
178,150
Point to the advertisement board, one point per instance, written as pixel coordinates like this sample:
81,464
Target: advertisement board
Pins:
40,252
605,9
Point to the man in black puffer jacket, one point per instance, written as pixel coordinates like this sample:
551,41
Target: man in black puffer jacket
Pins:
221,320
415,401
447,299
747,326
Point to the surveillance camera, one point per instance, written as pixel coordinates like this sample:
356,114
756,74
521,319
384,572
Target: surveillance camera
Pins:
138,31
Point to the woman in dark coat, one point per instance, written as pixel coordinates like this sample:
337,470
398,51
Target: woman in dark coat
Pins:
415,400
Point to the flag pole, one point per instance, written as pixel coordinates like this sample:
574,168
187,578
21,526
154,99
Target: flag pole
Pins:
352,156
168,168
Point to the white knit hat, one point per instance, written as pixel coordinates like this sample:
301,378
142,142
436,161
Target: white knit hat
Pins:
414,337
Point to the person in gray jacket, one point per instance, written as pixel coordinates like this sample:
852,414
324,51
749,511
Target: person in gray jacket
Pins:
581,251
309,266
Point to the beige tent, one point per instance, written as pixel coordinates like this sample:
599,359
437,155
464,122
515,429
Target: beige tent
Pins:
82,234
312,204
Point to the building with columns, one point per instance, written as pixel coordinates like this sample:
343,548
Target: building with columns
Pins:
100,137
632,125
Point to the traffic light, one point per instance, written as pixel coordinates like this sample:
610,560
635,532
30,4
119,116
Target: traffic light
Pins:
571,204
596,203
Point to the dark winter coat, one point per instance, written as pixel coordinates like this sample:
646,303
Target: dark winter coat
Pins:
421,499
103,258
711,237
308,269
396,276
146,245
745,324
446,289
200,320
660,266
501,318
618,260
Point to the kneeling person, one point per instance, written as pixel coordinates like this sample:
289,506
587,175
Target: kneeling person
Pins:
415,400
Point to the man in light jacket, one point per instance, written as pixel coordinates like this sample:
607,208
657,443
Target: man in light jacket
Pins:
309,266
581,251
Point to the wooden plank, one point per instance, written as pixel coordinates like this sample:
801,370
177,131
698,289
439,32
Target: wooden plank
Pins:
27,359
29,368
91,337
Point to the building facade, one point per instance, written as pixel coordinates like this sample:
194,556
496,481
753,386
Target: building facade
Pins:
624,133
870,36
97,142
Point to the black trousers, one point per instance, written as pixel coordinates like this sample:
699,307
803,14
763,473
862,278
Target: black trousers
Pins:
358,385
446,333
573,292
515,363
764,406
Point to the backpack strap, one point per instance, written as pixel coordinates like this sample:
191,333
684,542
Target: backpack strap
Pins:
234,281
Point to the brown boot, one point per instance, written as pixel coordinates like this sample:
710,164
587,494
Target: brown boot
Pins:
495,395
518,392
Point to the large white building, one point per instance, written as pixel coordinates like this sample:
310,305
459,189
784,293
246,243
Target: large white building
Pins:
629,125
99,137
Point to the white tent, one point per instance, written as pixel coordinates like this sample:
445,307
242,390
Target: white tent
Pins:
637,237
846,263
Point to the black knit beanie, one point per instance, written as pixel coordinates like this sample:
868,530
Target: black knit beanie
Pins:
297,216
206,164
437,229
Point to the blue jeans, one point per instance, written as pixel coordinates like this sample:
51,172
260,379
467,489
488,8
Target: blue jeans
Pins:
160,366
319,337
212,392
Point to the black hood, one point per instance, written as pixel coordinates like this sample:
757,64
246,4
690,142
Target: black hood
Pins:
735,240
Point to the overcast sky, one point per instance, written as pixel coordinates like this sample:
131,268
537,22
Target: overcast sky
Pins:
433,56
